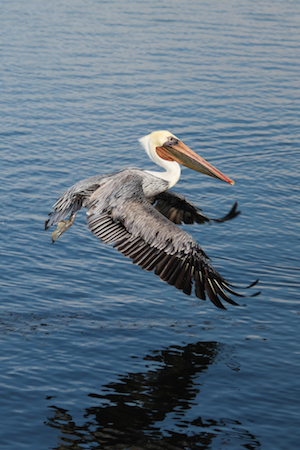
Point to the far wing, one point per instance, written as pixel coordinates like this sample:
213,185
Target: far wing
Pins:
180,210
119,214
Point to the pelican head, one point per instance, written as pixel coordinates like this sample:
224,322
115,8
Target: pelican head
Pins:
163,146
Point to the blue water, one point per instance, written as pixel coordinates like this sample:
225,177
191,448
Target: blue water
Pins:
96,353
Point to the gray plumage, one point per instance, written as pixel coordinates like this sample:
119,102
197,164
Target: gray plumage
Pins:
121,212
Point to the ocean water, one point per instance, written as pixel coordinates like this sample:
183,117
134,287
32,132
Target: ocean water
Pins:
95,353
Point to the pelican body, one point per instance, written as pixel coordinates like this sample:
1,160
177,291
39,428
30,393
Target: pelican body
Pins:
135,210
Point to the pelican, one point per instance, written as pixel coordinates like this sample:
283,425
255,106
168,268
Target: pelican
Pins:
135,210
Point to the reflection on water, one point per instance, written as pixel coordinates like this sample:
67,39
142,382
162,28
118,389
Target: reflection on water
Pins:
133,412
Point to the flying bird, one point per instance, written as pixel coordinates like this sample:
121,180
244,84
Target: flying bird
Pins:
135,210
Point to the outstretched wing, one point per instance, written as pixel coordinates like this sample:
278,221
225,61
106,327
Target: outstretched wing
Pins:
119,214
180,210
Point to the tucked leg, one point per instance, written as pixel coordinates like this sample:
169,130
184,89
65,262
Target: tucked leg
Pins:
62,226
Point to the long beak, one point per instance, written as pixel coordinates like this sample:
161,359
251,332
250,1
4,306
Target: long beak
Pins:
184,155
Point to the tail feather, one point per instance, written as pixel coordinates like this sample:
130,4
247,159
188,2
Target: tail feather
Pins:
57,215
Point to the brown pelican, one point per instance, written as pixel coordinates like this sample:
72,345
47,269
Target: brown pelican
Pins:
135,210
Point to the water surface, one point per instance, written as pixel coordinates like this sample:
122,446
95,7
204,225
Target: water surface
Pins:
95,353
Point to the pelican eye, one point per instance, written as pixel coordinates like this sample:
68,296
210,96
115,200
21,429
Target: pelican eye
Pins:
171,141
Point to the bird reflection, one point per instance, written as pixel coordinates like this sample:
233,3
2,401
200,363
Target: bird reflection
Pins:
131,411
